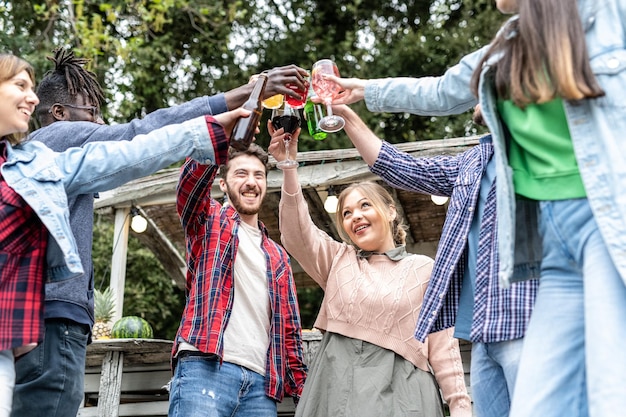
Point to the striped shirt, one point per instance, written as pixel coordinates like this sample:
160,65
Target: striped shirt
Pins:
499,314
211,239
23,243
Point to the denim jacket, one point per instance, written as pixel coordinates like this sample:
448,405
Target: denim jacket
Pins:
45,179
596,127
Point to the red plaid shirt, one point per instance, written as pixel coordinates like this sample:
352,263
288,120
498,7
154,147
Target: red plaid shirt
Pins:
23,242
211,240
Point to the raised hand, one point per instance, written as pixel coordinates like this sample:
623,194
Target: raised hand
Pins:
279,77
282,142
353,89
229,118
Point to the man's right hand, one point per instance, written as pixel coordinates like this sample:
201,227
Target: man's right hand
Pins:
229,118
279,77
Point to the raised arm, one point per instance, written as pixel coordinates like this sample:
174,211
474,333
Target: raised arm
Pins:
433,175
277,80
196,178
364,140
299,235
447,94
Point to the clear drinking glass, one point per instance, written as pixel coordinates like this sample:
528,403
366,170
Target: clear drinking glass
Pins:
288,118
294,102
327,90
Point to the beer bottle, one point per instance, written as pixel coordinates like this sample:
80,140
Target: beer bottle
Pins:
313,112
244,129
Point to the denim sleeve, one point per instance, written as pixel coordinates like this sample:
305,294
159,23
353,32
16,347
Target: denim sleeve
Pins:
426,96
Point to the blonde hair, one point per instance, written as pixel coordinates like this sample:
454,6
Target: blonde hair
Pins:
10,66
381,200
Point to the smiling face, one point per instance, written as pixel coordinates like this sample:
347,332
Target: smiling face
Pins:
245,185
17,103
367,227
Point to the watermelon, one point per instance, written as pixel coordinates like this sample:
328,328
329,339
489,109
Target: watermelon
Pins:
131,327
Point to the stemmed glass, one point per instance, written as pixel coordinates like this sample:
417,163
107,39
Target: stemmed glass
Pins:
288,118
327,90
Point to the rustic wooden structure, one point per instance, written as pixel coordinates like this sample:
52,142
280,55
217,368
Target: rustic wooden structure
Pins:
155,197
127,377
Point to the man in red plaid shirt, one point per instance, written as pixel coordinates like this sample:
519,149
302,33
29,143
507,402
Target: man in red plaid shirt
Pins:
238,349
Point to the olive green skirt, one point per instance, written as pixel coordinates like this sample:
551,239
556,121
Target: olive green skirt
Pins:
353,378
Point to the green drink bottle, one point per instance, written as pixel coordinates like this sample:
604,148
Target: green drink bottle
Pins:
313,112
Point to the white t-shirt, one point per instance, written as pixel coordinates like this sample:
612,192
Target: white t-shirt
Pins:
246,338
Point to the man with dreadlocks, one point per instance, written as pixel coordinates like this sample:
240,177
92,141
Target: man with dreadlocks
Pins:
50,379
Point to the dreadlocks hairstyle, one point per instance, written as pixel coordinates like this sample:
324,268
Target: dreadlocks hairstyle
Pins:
544,55
65,81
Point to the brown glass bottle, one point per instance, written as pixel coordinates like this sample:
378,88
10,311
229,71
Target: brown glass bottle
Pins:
244,129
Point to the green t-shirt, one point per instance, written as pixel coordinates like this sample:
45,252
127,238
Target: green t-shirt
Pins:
541,152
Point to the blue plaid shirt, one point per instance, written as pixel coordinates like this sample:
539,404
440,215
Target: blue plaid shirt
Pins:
499,314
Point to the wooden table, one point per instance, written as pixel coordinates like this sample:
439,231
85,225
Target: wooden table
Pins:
127,377
139,368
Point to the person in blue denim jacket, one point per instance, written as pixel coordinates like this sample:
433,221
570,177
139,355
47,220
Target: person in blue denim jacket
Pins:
36,240
551,87
50,379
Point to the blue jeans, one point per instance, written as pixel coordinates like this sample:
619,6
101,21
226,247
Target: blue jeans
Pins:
493,371
50,378
7,381
201,387
573,361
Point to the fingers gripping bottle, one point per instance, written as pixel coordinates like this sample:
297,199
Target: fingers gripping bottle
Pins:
244,129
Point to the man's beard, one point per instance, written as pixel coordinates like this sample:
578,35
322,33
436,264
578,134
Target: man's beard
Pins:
235,200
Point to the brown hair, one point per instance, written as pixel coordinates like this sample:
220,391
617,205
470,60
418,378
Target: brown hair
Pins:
381,200
10,66
544,55
254,150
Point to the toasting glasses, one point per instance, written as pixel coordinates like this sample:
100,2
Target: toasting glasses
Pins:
288,118
327,90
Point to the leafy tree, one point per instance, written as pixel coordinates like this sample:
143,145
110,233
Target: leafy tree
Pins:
156,53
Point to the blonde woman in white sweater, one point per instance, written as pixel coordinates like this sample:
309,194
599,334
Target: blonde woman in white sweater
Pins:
369,364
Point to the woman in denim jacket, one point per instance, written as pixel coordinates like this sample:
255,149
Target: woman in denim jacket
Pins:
555,73
36,242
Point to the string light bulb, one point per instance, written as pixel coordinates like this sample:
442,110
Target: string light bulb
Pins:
137,222
330,205
439,200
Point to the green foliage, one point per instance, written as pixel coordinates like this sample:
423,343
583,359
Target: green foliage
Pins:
309,301
149,292
150,54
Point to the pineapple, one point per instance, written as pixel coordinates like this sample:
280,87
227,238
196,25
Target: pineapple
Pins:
104,306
